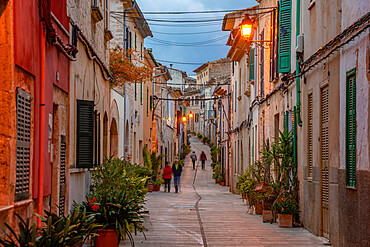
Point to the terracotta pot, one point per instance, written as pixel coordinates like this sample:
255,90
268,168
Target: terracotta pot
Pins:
106,238
267,216
149,186
285,220
156,187
222,183
258,208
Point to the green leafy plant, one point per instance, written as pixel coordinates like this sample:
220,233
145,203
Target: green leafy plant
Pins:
56,230
159,181
120,195
286,206
27,235
199,135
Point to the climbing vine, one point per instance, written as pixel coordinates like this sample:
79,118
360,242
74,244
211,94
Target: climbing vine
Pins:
126,66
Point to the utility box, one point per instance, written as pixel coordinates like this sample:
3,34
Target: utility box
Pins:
300,45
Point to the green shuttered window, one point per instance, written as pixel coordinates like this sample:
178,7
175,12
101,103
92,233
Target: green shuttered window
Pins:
251,65
85,127
285,13
351,128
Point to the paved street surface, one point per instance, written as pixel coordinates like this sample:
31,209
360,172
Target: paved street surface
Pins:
224,218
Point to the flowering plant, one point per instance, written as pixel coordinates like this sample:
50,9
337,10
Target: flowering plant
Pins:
127,66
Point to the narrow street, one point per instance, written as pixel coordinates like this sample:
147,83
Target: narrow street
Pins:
224,218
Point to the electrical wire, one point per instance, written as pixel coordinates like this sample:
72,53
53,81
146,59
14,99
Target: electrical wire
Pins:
192,33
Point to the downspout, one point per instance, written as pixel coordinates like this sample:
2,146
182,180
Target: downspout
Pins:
42,123
124,86
298,79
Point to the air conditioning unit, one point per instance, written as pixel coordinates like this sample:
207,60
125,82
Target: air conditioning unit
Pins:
300,46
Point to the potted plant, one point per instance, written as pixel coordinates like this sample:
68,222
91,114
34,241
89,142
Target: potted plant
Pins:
157,184
117,196
286,209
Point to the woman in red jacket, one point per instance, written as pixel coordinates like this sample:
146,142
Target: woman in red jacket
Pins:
167,175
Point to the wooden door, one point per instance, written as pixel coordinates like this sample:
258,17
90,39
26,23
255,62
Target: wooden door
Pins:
324,180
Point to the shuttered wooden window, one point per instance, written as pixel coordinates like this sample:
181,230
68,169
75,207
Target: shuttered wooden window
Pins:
135,91
85,124
62,177
147,101
151,103
23,145
351,128
285,12
141,93
310,136
251,65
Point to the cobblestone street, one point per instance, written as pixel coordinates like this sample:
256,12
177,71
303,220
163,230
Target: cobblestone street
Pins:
224,218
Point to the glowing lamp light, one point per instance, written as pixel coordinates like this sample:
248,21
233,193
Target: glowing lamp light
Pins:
246,27
184,119
246,30
191,115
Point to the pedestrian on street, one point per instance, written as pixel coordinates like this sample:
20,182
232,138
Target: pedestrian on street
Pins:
193,157
176,170
203,158
167,175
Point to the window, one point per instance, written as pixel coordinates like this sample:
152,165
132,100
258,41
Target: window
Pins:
284,35
262,66
97,129
351,128
106,15
23,145
135,41
85,123
310,136
141,92
135,91
147,101
251,65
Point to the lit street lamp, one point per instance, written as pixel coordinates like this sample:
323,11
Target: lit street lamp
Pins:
246,28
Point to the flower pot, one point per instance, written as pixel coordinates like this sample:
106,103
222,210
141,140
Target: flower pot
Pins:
149,186
106,238
267,216
285,220
258,208
222,183
156,187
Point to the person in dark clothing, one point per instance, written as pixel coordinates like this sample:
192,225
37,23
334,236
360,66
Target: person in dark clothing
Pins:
176,170
167,175
203,158
193,158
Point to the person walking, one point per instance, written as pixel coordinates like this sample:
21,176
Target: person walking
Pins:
167,176
176,170
193,157
203,158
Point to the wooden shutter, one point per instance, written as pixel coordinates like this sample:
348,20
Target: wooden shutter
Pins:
310,136
284,35
85,123
141,92
147,101
23,145
151,103
251,65
325,160
135,91
351,129
62,176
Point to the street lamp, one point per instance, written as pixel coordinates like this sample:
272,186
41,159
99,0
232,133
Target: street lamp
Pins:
246,27
246,30
191,115
184,119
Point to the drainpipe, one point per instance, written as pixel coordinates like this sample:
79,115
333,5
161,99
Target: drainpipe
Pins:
298,79
42,124
124,86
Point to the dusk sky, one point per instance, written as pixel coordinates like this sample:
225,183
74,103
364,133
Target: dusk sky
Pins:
214,39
